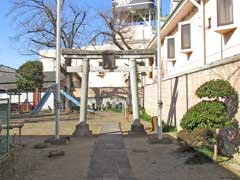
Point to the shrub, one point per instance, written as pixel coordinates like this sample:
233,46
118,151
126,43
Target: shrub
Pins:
215,89
206,114
201,137
185,136
146,117
168,128
116,110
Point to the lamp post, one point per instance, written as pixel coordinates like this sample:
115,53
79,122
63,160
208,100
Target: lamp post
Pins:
58,60
159,76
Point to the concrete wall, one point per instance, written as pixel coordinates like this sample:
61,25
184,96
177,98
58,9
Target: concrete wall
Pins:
178,92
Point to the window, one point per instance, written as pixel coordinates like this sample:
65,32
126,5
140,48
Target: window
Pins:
224,12
171,48
209,23
186,36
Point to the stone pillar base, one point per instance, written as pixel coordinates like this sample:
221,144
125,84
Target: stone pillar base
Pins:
81,130
137,127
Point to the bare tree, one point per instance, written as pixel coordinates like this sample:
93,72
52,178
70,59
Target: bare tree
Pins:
116,31
36,25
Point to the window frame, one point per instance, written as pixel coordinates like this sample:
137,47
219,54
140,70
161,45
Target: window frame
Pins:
167,39
224,24
187,50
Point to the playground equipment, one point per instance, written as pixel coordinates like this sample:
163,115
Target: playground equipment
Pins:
42,101
73,100
68,96
52,89
4,122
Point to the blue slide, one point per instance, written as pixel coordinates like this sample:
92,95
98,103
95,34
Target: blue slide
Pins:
74,100
45,97
47,94
68,96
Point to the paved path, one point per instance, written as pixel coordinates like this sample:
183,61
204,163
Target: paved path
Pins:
110,156
109,160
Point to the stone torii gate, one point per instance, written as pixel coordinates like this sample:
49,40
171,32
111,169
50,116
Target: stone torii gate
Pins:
108,57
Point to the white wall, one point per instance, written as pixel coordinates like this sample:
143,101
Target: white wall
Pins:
23,97
14,98
47,57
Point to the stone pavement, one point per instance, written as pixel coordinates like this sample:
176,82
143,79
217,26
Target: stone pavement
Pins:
109,160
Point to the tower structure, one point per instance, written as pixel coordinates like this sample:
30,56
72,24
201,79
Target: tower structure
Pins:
138,17
173,4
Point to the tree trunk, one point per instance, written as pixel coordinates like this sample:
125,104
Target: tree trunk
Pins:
129,96
27,103
69,86
36,96
215,153
19,103
142,87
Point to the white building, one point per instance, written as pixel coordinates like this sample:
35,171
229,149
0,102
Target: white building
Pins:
200,42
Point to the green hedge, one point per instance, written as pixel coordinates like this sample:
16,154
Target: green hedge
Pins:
206,114
215,89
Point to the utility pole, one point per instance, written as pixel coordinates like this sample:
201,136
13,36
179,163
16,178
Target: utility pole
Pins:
58,61
159,84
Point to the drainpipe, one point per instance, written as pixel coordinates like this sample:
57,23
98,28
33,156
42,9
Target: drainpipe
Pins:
159,84
196,4
204,33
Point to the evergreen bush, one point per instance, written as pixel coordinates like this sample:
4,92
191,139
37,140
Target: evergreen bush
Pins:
215,89
206,114
210,114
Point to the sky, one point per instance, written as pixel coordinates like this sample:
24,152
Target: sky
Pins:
10,56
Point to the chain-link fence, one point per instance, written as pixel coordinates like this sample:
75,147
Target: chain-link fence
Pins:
4,124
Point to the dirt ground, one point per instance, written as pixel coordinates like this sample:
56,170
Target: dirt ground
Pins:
147,161
27,163
167,162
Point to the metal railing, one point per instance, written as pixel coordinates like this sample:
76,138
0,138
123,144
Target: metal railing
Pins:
4,127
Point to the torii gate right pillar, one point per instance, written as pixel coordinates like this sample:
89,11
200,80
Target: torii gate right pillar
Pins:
137,126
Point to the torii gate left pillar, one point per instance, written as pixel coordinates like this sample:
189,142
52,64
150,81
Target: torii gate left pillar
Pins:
82,129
